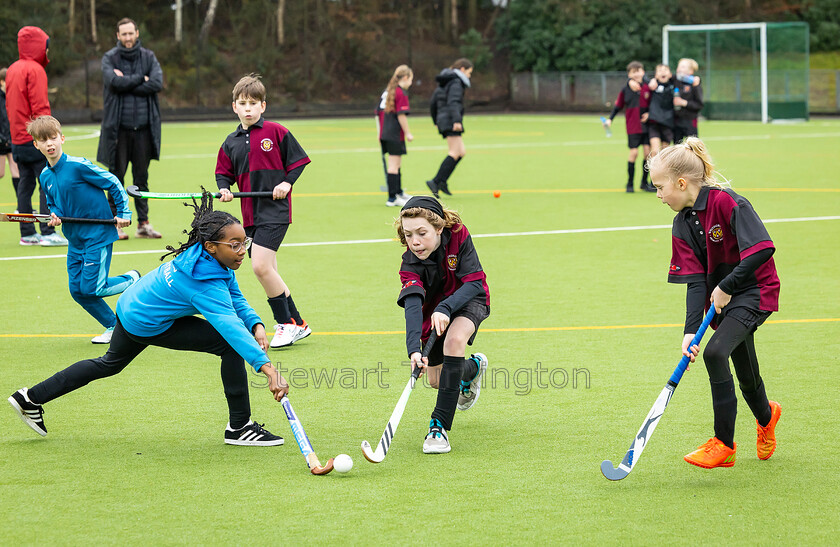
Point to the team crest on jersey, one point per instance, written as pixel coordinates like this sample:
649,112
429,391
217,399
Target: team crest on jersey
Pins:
409,283
674,268
266,145
716,233
452,262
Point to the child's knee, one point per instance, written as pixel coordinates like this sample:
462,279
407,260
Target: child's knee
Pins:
261,269
715,355
455,342
634,153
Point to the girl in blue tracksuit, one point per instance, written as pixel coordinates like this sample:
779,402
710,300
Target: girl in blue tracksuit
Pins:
160,310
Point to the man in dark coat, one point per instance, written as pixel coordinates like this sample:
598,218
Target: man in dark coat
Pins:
132,78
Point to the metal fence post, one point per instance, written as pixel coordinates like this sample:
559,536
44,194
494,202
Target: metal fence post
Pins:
535,86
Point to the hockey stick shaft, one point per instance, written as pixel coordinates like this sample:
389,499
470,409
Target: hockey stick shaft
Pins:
396,415
27,217
649,425
301,438
135,192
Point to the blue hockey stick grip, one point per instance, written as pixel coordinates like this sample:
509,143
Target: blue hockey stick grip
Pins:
680,370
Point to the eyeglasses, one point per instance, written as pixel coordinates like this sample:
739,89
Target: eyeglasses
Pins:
236,246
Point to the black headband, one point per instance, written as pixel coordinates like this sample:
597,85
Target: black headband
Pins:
425,202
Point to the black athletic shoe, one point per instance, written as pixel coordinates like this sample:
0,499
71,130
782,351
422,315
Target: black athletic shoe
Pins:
251,434
31,414
444,187
648,188
433,187
630,188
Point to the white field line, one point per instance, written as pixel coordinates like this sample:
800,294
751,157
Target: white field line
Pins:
540,144
91,135
475,236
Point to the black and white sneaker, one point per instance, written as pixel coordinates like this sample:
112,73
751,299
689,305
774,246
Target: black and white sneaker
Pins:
251,434
31,414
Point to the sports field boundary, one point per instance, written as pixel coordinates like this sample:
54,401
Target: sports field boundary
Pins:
500,330
474,236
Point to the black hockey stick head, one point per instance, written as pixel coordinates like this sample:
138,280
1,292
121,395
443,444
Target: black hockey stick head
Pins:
133,191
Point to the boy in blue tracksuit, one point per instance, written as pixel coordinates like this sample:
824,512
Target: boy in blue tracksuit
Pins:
160,310
74,188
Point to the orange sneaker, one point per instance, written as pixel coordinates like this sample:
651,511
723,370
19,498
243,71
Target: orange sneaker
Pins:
712,453
766,444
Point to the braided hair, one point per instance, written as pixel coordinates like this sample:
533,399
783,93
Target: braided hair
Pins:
206,224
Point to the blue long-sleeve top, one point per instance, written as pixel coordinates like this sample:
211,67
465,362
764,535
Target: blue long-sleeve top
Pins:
74,188
193,283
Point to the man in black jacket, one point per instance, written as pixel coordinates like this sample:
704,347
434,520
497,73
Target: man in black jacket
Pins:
132,78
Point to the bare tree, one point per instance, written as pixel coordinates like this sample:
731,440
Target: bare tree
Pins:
179,20
281,14
208,20
71,19
93,21
454,25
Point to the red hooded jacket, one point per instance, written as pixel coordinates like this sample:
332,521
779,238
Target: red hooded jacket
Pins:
26,83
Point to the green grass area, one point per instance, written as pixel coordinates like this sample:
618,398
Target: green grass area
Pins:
139,458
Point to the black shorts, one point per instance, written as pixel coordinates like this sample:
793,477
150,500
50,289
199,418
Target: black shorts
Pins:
661,132
635,140
5,148
445,134
750,318
269,236
681,132
393,148
476,311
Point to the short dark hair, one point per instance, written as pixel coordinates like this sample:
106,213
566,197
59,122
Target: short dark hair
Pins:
462,64
249,87
3,74
634,65
125,21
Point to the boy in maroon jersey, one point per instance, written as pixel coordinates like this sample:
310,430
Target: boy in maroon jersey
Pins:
634,99
264,156
723,252
443,288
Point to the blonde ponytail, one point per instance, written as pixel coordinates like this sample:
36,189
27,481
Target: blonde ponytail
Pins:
401,72
689,160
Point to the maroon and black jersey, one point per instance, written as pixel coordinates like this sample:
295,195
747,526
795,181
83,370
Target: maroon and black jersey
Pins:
454,263
631,102
387,122
710,238
257,159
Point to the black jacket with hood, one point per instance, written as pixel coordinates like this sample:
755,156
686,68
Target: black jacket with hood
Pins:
447,102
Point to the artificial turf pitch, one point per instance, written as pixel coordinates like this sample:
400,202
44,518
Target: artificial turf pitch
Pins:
583,334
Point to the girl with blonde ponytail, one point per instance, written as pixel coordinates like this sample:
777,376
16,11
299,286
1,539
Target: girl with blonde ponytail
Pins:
723,253
392,124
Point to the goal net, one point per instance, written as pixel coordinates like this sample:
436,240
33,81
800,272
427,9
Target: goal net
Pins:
749,71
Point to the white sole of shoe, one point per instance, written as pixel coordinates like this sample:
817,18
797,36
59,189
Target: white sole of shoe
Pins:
25,419
254,443
482,368
437,450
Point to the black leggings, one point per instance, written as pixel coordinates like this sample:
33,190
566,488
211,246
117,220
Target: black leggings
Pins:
186,333
734,338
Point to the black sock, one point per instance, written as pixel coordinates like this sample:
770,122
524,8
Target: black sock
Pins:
280,309
726,408
758,403
15,181
631,172
293,310
447,398
393,185
446,168
644,175
399,182
470,369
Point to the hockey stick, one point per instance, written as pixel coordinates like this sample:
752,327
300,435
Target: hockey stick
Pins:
34,217
644,434
394,421
303,441
135,192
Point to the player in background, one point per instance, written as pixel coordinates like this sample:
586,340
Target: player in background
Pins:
443,288
264,156
635,114
688,104
6,137
447,109
161,309
76,188
723,252
392,123
661,110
